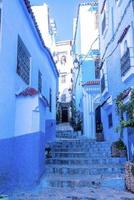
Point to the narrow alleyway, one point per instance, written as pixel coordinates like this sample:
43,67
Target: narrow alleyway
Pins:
79,169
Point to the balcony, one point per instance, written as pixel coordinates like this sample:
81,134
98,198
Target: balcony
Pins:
127,63
103,83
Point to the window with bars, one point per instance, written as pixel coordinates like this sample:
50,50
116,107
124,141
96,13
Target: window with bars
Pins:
103,85
39,81
63,79
97,68
110,120
103,23
63,98
23,61
50,100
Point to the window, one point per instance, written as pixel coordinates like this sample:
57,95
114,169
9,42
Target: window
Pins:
104,17
125,46
63,60
63,98
103,23
63,79
96,20
110,120
112,17
97,68
118,2
40,81
23,61
50,100
103,86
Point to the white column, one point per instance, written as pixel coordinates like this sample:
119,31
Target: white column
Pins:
91,117
84,114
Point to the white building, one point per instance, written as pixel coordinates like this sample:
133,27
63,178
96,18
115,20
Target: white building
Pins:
64,66
46,25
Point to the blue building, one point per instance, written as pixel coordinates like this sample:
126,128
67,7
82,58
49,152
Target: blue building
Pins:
28,97
86,87
116,25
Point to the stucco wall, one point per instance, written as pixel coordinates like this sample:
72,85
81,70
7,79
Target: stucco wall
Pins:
22,152
118,16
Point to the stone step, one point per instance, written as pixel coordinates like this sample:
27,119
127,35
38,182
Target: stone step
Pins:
66,134
84,170
82,181
81,141
74,144
94,152
79,155
82,161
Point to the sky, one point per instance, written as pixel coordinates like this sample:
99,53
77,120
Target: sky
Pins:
63,11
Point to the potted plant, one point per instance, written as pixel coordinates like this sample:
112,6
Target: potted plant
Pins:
119,149
127,108
129,176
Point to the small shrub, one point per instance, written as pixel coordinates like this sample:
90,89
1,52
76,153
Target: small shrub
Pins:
120,145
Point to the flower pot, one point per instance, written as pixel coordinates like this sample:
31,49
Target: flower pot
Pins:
129,176
117,152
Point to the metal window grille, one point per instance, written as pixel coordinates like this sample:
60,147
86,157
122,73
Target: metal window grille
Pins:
103,83
97,68
23,62
50,100
40,81
110,120
125,62
104,23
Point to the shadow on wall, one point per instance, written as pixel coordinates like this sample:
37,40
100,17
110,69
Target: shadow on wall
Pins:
22,159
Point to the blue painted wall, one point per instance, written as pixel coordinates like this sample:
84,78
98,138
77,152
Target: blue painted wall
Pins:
88,71
21,161
22,157
112,64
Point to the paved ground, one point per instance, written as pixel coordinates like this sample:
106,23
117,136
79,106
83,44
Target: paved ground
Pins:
63,127
74,194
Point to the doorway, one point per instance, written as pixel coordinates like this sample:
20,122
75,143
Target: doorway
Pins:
64,115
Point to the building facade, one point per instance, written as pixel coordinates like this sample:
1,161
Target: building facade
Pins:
86,85
116,25
64,62
28,97
46,25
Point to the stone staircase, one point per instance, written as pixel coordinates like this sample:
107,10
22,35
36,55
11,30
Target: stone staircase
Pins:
79,162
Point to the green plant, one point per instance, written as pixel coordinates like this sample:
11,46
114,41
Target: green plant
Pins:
120,145
127,108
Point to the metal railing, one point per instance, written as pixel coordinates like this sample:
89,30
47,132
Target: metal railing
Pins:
125,62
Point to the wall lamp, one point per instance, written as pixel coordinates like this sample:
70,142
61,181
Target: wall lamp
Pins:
76,63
